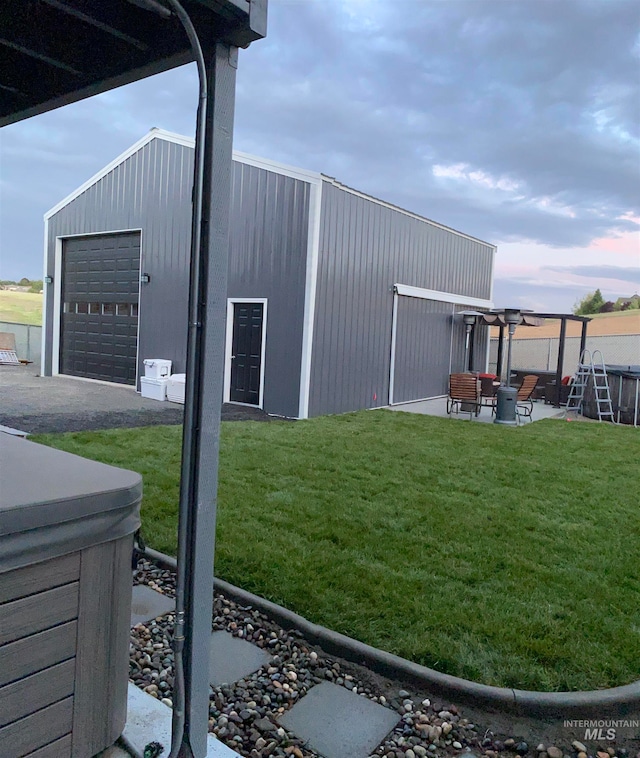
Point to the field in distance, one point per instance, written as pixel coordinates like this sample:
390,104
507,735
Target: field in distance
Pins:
21,307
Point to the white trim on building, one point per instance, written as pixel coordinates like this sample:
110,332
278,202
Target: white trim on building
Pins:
310,295
394,332
45,297
444,297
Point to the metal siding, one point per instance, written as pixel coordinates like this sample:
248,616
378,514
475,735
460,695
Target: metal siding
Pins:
151,191
138,195
268,241
365,248
458,339
480,348
423,340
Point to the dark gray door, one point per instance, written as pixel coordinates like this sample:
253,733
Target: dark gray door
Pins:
99,320
423,348
246,353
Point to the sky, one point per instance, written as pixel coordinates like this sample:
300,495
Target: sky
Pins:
515,121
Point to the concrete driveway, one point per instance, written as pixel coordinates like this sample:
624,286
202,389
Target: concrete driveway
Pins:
37,404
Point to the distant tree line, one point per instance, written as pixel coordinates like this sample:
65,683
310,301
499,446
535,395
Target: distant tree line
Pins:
34,285
595,303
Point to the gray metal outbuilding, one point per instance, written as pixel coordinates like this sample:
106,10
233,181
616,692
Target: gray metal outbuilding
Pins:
336,300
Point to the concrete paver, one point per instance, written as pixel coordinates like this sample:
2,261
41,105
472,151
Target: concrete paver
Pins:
338,723
149,720
147,604
232,658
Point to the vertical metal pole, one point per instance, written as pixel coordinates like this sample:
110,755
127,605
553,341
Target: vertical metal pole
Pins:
563,335
467,336
620,395
392,358
472,339
206,363
512,329
500,351
583,339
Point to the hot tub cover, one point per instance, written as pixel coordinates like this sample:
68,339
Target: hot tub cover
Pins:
53,503
628,372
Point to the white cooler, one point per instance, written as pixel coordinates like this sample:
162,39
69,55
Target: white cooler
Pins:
154,389
157,368
175,388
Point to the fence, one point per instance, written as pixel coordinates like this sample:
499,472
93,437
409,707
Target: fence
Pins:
28,340
542,352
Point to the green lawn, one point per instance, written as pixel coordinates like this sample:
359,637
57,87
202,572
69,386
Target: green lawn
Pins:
507,556
21,307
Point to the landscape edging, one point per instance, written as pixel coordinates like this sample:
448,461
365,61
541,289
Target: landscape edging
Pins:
613,702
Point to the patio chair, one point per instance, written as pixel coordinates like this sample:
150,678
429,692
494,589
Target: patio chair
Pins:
488,388
464,394
524,401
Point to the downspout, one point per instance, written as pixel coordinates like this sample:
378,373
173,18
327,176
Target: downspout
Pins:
194,350
392,354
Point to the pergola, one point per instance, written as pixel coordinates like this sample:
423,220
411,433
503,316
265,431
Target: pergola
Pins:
56,52
537,319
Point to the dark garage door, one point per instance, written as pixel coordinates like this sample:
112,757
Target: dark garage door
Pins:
99,320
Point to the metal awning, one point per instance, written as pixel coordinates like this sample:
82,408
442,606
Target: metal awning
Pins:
497,319
55,52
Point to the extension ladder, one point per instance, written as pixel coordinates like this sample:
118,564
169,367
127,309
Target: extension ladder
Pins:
591,366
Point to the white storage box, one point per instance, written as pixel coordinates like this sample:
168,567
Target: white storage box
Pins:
175,388
154,389
157,368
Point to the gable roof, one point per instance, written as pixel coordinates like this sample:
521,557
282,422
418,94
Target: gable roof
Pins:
178,139
312,177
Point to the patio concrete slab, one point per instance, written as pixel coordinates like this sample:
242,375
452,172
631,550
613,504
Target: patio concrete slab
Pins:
147,604
232,658
338,723
438,407
149,720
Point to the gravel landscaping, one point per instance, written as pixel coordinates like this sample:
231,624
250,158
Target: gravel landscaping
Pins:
245,715
52,405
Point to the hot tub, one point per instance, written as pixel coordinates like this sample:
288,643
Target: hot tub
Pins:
66,535
624,387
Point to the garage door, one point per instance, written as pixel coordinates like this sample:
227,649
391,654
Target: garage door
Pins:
422,348
99,319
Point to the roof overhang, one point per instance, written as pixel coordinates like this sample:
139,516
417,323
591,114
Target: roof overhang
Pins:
56,52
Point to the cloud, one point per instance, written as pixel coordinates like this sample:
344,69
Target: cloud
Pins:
619,273
540,296
497,96
496,118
